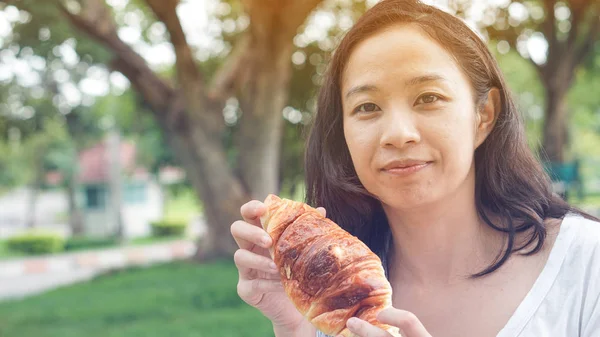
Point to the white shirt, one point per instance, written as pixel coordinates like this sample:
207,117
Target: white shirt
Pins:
564,301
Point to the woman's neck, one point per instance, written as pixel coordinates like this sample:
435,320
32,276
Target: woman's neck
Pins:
441,244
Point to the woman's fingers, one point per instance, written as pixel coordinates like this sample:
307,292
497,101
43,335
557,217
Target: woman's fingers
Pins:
247,236
252,291
249,232
246,261
405,320
365,329
252,211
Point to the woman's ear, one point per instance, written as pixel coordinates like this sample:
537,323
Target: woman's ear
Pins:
487,115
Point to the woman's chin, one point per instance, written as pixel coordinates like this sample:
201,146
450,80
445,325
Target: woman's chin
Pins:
408,202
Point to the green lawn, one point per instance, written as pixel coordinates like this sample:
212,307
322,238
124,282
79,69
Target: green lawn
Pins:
171,300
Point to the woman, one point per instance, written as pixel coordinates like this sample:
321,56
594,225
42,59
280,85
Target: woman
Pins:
417,149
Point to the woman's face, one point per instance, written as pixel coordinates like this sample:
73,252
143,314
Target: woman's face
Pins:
409,118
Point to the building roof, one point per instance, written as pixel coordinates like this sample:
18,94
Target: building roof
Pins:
94,162
94,167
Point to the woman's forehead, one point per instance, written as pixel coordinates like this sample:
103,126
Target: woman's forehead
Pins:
401,52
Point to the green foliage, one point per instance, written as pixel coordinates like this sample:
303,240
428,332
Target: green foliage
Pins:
584,126
526,89
178,299
7,253
168,228
83,243
11,173
182,204
25,161
136,124
36,243
583,106
46,15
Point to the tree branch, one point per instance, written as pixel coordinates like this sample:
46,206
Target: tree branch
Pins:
230,74
188,74
549,26
101,27
298,11
294,12
577,12
594,36
187,70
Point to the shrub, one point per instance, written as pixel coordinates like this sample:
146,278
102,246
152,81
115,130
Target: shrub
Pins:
36,243
80,243
168,228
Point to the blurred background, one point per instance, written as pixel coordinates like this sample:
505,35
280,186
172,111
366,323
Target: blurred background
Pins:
131,132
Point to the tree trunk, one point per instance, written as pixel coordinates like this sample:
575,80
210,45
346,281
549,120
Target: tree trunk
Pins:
221,193
262,100
557,76
555,124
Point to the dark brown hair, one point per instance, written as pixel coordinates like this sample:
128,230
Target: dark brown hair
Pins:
510,182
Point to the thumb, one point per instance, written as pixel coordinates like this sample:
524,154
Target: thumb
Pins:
322,211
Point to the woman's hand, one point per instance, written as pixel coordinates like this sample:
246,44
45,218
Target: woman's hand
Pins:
407,322
259,282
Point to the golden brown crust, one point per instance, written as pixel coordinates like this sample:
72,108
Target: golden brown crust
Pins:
328,274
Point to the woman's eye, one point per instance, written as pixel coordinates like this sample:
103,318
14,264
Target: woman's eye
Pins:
428,99
367,107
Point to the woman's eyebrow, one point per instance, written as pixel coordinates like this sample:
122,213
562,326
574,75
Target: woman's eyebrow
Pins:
361,88
410,82
425,78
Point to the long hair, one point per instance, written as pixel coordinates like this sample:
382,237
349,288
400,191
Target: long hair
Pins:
511,184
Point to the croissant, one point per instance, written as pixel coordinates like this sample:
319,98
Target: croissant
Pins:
327,273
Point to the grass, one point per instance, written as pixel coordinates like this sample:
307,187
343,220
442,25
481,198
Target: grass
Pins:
176,299
152,239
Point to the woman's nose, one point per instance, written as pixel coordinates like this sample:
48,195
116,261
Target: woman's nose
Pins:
399,129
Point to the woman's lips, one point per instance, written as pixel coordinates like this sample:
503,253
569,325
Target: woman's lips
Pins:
406,170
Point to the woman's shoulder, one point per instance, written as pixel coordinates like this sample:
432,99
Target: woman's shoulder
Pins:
581,271
580,240
585,231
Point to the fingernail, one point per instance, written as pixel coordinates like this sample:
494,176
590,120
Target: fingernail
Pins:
352,323
273,266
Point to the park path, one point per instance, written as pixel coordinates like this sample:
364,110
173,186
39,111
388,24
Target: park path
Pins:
29,276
